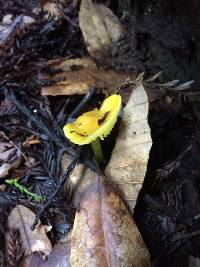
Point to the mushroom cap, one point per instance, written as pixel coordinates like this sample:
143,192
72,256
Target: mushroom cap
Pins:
96,123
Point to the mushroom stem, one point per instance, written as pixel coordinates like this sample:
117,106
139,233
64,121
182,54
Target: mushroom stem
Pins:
97,150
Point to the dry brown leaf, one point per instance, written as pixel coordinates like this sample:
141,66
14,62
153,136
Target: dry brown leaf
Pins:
104,233
79,75
21,219
66,64
131,153
100,28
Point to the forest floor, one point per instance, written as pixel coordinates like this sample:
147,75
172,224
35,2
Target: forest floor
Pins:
43,79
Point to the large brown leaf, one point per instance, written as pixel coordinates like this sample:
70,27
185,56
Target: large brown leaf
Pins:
104,233
128,164
78,75
100,28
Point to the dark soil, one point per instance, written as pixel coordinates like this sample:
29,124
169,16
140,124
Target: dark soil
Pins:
169,204
161,35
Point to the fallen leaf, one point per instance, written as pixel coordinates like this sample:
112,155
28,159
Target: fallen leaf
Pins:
79,75
10,158
4,170
66,64
21,219
100,28
104,233
128,164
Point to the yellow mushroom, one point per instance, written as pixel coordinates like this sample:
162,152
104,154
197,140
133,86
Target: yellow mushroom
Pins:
95,124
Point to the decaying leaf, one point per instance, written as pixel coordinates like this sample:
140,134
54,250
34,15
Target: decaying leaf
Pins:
21,219
10,158
104,233
131,153
100,28
79,75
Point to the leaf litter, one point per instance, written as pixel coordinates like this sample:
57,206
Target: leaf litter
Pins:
20,219
104,233
47,78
